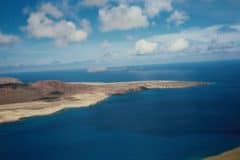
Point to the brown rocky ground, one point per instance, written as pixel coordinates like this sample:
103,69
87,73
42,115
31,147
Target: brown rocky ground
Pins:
9,80
19,100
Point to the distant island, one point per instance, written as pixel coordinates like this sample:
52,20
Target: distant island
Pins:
20,100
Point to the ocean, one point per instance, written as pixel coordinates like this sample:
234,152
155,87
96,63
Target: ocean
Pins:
158,124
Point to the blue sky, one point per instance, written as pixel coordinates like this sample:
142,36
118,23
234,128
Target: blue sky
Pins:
118,32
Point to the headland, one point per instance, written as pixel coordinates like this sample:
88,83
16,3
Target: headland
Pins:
20,100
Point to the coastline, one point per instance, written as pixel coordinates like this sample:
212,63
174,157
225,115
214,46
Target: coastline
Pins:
90,95
18,111
233,154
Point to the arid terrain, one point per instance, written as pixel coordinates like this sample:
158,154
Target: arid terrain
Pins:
228,155
19,100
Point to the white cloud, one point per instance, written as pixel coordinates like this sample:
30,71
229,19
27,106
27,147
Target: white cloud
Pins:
143,46
51,10
178,17
179,45
46,23
236,27
122,17
97,3
154,7
7,38
86,26
199,40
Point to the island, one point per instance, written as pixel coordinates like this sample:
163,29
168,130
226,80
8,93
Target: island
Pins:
20,100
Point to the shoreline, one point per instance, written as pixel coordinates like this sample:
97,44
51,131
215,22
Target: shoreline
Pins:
233,154
75,95
45,108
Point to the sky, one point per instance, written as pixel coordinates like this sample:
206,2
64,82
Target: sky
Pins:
117,32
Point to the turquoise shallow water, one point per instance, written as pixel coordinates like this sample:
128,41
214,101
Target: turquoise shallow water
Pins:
166,124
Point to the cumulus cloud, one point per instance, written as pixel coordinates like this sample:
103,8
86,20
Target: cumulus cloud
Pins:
96,3
48,22
122,17
178,17
7,38
86,26
178,45
212,39
143,46
154,7
48,8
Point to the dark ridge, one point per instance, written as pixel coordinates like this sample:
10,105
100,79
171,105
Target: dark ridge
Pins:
13,85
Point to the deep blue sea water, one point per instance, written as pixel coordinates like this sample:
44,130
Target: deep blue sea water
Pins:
159,124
